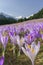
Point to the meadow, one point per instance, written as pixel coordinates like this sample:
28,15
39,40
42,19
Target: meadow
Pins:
8,37
11,59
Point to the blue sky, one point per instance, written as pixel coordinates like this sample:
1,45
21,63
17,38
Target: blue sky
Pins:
23,8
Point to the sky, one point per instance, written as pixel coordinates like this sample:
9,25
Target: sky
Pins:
20,8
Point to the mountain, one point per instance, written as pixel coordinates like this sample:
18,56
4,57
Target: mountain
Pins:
6,19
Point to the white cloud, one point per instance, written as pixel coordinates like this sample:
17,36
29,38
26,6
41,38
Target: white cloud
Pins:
19,17
29,16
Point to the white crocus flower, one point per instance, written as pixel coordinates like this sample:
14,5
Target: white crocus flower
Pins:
20,42
31,51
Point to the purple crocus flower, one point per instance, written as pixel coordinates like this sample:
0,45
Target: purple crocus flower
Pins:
37,33
21,29
30,37
2,60
12,37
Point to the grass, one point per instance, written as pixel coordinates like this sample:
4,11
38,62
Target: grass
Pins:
10,59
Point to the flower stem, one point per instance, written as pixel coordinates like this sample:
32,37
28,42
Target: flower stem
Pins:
32,62
19,53
3,51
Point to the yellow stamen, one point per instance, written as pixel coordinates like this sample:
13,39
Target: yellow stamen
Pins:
32,50
4,33
21,41
29,46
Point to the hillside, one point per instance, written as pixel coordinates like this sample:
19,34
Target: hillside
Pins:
6,19
25,22
37,15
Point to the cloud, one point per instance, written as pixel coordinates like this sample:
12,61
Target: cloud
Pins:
29,16
19,17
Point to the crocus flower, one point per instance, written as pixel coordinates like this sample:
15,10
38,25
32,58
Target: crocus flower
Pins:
13,39
31,51
20,42
2,60
4,40
30,37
